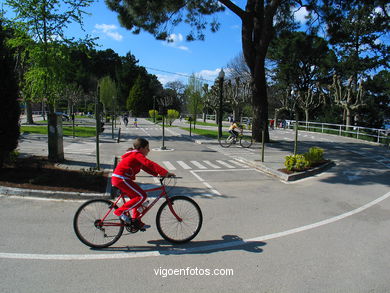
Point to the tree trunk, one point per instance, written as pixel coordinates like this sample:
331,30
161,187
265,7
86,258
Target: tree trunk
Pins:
307,115
29,115
260,104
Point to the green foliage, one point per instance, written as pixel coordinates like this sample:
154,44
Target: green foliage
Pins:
153,113
136,96
157,17
9,110
108,93
314,155
194,94
172,115
301,162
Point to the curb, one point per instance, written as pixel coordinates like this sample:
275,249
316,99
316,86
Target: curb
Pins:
49,193
292,177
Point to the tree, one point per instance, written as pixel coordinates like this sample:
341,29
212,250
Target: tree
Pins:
237,95
347,97
194,93
355,29
260,21
136,97
108,93
172,115
9,110
378,100
45,22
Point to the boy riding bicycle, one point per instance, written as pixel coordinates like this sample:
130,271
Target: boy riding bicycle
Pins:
124,175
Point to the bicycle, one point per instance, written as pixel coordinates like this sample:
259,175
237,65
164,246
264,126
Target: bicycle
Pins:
244,140
178,220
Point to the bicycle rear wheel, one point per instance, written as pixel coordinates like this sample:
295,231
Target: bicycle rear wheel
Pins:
246,141
226,141
91,230
173,230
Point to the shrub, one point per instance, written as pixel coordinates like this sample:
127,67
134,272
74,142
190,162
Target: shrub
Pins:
296,162
300,162
172,115
314,155
290,162
153,113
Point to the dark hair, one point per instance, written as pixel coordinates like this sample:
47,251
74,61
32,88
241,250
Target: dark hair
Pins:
138,143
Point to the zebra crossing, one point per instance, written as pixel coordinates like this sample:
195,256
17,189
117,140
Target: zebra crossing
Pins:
203,165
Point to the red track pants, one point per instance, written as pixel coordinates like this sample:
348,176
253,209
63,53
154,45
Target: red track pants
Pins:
132,190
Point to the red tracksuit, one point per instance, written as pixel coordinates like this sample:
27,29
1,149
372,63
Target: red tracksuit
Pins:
124,174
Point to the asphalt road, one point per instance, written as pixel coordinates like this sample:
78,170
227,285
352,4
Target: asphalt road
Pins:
328,233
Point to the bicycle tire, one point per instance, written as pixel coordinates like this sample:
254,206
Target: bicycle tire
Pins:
87,228
173,230
225,142
246,141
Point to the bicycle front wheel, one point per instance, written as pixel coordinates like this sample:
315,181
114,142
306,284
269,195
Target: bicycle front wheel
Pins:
246,141
226,141
180,230
89,227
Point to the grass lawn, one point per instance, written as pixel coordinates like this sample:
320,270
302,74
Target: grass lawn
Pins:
67,130
206,132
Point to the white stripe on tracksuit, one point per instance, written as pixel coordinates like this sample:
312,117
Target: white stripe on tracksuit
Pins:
132,188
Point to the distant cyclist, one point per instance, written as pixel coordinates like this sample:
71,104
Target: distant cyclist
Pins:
135,122
233,127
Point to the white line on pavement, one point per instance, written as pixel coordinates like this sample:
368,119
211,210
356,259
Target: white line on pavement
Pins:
211,247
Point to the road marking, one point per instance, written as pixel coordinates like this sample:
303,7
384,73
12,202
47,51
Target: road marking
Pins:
184,165
210,247
199,165
225,164
212,165
169,165
238,163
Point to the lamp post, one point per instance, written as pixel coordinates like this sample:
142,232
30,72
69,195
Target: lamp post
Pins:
164,103
98,126
154,109
221,77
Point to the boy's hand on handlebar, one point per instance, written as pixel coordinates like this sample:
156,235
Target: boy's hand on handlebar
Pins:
169,174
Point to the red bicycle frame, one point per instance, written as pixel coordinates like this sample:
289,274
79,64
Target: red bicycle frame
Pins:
143,213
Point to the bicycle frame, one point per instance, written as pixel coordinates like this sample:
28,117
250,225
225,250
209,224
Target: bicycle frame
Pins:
143,213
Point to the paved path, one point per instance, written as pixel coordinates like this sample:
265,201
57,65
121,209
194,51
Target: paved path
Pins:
320,234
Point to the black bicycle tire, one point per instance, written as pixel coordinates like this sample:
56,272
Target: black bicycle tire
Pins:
164,207
250,142
82,238
224,143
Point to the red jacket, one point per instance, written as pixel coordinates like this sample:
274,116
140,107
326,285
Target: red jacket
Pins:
133,161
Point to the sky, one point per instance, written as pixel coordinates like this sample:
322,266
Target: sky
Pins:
202,58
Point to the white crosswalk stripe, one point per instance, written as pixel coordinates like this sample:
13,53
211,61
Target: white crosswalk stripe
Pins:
203,165
199,165
212,165
225,164
184,165
238,163
169,165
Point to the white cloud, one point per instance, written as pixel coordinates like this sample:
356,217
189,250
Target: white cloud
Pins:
109,30
300,15
174,41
